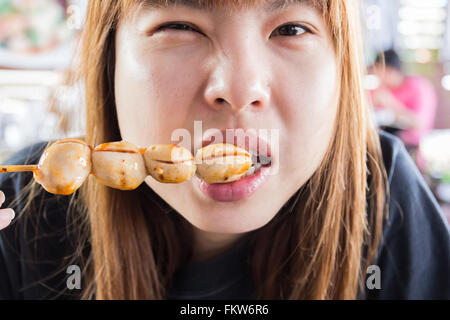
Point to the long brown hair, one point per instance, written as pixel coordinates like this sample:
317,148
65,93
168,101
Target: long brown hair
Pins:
318,239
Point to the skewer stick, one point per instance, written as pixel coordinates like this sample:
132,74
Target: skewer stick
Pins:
20,168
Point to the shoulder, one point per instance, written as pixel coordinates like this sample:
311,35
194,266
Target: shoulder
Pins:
398,163
36,245
12,183
391,146
414,254
408,188
27,155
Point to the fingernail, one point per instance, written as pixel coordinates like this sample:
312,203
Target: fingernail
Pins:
7,214
2,197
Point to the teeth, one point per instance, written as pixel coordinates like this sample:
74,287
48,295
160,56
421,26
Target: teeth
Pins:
260,159
253,169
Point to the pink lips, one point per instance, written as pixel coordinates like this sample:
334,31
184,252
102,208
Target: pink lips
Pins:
243,187
234,191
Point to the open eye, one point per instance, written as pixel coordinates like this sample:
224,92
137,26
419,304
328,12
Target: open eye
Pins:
289,30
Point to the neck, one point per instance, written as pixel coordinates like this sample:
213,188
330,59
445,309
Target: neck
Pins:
207,245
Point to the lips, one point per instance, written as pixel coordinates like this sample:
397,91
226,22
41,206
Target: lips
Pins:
234,191
247,185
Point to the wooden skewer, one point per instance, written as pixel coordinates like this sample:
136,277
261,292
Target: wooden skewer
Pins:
20,168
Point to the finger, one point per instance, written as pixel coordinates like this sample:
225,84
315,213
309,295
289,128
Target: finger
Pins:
6,216
4,224
2,198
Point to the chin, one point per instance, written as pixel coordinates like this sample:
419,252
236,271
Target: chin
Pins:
232,220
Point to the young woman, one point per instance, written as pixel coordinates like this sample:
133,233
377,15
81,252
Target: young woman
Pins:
344,197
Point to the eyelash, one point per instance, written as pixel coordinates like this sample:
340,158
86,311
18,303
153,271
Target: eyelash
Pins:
187,27
296,25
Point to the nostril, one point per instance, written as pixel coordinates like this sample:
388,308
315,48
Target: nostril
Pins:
220,100
257,103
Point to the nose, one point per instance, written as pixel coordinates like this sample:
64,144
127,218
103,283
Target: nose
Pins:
239,80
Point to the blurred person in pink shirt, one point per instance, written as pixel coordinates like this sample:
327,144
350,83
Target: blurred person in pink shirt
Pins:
412,99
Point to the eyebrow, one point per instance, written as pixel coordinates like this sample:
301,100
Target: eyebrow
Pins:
281,4
209,5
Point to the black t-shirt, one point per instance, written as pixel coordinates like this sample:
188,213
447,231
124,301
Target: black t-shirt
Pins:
413,258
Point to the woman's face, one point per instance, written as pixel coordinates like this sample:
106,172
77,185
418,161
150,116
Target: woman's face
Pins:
257,68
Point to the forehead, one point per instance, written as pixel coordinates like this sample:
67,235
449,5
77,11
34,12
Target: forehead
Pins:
232,4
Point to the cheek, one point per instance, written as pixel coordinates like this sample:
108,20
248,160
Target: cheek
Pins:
310,90
309,110
149,90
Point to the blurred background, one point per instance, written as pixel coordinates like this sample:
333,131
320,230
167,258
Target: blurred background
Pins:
410,87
